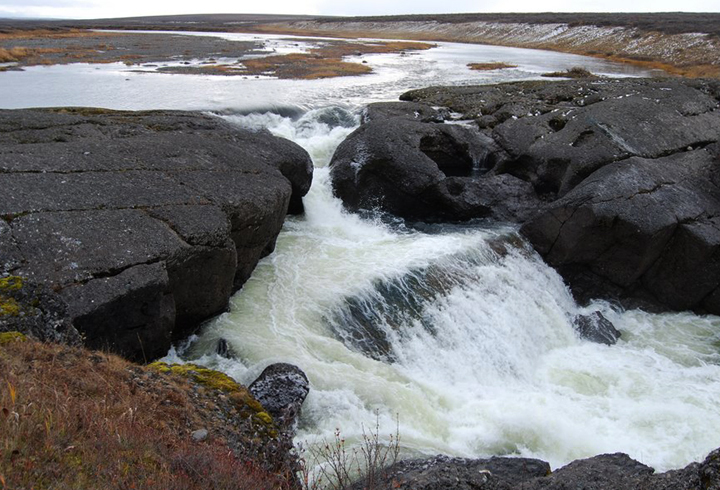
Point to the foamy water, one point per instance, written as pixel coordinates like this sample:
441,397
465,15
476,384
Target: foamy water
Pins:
483,358
462,333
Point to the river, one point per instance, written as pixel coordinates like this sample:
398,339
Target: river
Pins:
461,335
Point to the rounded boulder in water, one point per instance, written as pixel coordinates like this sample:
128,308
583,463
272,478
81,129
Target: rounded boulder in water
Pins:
281,389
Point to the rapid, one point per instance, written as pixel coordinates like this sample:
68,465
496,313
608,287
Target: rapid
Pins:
460,335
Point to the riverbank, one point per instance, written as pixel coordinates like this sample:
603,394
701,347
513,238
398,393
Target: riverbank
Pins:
81,419
685,44
157,52
690,53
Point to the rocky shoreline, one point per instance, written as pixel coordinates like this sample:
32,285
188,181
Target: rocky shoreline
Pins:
142,223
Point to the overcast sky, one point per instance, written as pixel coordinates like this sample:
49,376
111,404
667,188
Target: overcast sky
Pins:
130,8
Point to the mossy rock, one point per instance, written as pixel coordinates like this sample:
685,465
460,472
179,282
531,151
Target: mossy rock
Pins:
35,310
7,337
9,305
216,380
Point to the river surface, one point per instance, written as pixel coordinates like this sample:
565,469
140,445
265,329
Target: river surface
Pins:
461,335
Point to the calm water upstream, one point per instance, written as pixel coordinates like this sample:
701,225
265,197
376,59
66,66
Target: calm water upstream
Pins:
478,354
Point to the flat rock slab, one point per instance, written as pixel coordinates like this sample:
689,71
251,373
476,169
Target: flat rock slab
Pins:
143,222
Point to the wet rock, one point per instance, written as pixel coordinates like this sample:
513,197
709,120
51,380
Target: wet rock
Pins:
443,472
223,349
281,389
428,172
596,328
144,222
710,471
627,173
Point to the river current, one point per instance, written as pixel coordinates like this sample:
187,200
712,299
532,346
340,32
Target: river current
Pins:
459,334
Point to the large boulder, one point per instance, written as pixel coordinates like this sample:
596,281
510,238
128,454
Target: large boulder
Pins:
424,171
144,223
627,173
281,389
641,226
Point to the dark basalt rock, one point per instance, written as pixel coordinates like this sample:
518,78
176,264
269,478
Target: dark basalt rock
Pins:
443,472
641,224
380,111
143,222
281,389
627,175
428,172
223,349
596,328
604,472
34,310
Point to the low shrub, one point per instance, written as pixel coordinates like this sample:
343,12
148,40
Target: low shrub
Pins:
574,72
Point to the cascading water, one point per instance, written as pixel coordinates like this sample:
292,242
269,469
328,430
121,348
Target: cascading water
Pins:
463,333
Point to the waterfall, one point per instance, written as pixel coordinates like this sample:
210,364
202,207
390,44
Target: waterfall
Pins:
462,333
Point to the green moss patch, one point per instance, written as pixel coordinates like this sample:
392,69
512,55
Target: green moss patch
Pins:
216,380
7,337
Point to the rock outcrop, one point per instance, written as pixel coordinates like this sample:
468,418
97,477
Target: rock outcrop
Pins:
144,223
615,182
603,472
423,171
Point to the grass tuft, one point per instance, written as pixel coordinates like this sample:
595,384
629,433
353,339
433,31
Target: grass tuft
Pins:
574,72
493,65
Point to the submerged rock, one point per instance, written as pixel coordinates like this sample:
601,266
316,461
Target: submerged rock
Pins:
596,328
281,389
143,222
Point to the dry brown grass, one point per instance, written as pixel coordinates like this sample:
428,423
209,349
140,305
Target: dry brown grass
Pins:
325,61
574,72
303,66
19,53
493,65
52,34
75,419
696,69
